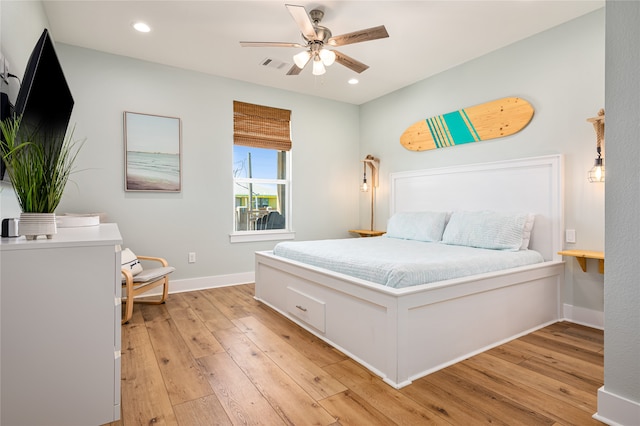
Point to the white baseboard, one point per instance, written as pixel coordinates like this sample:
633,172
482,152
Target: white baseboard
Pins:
615,410
202,283
584,316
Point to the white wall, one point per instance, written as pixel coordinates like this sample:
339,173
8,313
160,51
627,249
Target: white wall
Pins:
561,73
619,398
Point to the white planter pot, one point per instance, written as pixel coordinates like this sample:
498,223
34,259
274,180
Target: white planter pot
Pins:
32,225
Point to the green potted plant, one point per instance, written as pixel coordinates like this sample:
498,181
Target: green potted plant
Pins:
38,171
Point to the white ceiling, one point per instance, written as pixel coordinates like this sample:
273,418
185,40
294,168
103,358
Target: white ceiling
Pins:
425,37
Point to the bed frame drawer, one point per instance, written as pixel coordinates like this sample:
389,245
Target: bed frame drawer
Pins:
306,308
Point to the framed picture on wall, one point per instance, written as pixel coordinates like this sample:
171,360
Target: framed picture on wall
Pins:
152,152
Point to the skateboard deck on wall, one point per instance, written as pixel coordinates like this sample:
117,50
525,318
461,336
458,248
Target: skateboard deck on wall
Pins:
495,119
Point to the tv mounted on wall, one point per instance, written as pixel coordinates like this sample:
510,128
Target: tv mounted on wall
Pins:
44,100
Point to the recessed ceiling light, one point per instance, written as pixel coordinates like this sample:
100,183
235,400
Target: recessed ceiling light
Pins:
142,27
353,81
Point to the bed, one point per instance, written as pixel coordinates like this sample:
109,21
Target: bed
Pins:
405,333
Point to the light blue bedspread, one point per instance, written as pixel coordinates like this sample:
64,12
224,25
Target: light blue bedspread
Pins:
402,263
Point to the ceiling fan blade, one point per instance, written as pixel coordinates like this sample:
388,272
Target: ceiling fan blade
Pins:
294,70
303,21
359,36
350,63
269,44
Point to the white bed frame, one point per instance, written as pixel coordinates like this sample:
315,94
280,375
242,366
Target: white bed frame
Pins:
404,334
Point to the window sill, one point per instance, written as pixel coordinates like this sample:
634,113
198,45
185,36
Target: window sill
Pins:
246,237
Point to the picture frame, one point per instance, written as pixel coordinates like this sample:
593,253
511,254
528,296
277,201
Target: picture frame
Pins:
153,152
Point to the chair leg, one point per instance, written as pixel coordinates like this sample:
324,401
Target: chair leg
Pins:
128,310
163,298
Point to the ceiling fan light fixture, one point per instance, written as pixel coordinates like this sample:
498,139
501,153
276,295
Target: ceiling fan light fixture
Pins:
328,57
318,66
301,59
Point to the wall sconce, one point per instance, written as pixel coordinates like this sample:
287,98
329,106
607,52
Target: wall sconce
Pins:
373,163
596,174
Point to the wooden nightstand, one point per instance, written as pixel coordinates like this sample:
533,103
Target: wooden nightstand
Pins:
582,256
367,233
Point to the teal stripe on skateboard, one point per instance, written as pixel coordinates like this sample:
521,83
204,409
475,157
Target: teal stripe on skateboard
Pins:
458,129
438,132
470,124
434,134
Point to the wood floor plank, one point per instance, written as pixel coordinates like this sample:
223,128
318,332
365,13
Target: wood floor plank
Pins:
309,345
242,401
399,408
553,387
586,333
210,315
537,401
571,377
483,401
309,376
221,298
290,401
560,360
205,411
568,338
196,335
352,410
563,347
182,378
143,394
445,399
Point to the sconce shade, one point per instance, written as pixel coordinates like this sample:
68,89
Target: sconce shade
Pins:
596,174
364,187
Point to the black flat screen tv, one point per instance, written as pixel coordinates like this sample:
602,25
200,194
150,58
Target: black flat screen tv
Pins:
44,100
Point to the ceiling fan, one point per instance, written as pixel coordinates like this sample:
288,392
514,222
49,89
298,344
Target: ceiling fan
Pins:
316,37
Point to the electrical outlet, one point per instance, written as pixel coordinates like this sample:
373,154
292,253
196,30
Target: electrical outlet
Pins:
192,257
570,235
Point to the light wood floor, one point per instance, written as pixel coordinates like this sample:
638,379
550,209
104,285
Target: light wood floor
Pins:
219,357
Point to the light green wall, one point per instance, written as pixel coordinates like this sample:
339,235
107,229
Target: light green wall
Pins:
199,218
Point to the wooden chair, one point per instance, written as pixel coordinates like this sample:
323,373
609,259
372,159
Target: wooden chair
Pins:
136,280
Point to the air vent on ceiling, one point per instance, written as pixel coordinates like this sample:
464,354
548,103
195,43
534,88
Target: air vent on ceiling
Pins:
274,63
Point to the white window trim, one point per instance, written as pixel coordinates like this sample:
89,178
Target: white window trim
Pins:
266,235
269,234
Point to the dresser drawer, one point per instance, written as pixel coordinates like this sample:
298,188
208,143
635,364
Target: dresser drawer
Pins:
306,308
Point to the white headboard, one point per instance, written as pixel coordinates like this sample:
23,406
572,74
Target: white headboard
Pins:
531,185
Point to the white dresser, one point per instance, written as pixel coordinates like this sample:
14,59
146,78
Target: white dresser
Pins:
60,328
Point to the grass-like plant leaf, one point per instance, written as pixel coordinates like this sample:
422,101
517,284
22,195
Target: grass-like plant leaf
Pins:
38,168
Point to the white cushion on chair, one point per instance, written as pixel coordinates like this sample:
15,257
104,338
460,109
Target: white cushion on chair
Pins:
130,262
152,274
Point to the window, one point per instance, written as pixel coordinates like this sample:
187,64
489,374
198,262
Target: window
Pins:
261,182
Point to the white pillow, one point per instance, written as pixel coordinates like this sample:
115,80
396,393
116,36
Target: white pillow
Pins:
130,262
420,226
526,231
486,229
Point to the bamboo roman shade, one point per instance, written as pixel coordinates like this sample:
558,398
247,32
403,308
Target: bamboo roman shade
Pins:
261,126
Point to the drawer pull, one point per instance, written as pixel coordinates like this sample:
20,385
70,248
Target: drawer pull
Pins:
301,308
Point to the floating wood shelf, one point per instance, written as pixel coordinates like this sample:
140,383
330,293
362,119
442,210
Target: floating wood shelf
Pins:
366,232
582,256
